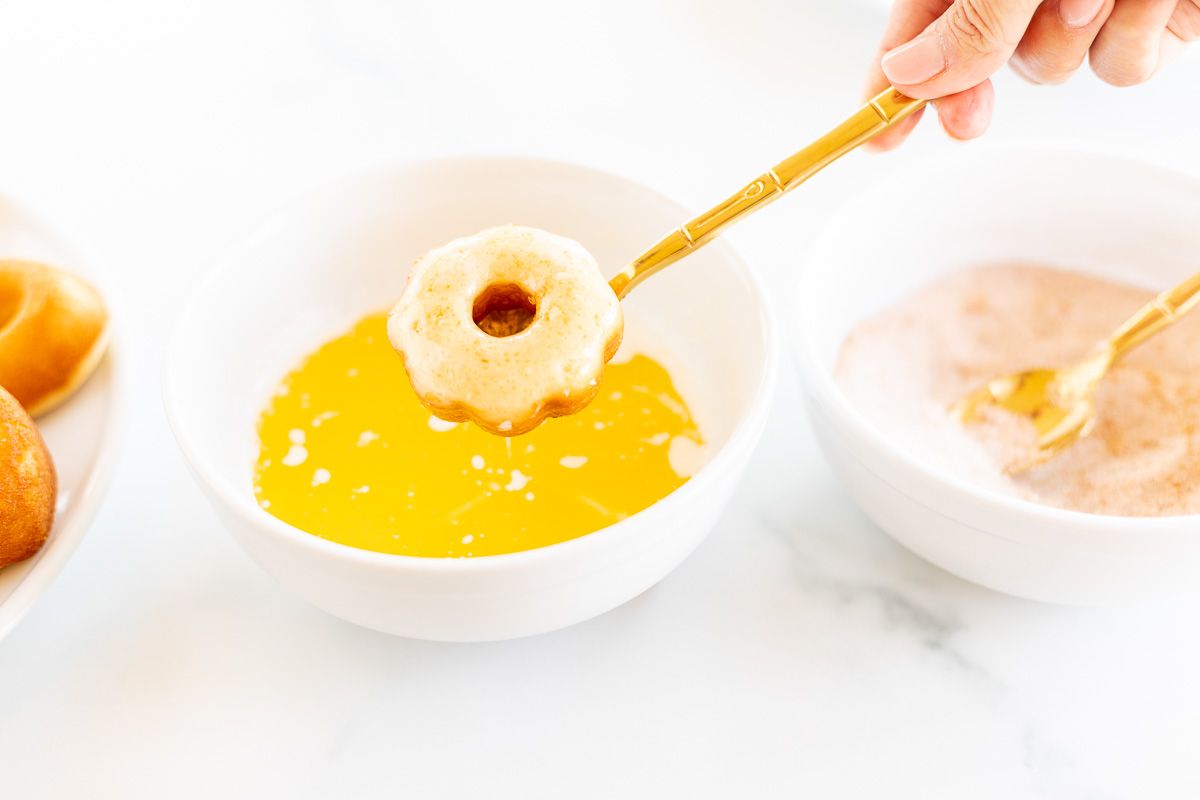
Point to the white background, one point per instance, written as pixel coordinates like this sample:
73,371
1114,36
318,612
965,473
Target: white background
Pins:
798,653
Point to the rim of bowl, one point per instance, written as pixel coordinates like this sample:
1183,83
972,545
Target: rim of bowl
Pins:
820,382
49,562
743,434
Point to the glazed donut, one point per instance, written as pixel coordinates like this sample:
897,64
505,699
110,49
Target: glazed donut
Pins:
506,328
53,331
28,485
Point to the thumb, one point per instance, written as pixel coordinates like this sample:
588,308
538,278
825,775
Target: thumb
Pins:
961,49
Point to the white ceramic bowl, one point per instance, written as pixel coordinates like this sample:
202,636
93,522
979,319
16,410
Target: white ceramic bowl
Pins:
312,270
81,433
1106,215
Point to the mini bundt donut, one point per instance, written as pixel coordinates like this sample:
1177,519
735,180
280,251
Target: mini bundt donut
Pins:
28,485
506,328
53,332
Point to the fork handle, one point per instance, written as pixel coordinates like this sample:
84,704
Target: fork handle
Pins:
1159,313
880,113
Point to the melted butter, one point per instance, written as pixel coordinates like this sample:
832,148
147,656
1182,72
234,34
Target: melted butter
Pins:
348,453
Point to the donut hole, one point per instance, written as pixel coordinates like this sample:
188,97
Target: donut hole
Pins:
503,309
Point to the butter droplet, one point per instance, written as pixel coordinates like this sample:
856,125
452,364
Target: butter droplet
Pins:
686,456
441,425
296,455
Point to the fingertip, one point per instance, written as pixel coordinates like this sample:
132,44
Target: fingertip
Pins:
1123,72
968,114
915,63
1128,49
1034,70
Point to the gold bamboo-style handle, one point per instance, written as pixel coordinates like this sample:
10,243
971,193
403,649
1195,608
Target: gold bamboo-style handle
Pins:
881,112
1156,315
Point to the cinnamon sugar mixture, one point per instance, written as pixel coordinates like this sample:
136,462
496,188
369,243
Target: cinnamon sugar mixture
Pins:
904,367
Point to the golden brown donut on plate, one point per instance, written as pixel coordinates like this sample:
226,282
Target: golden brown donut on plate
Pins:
28,485
53,332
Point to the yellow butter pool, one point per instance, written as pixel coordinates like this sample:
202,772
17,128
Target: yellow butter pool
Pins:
348,453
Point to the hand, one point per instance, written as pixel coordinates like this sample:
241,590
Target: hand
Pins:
948,49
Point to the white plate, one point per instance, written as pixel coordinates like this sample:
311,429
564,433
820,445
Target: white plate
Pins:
80,433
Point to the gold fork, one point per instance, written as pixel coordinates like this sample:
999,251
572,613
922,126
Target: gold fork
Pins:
879,113
1061,402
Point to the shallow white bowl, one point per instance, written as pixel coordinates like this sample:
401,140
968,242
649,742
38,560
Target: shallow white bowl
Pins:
81,433
312,270
1106,215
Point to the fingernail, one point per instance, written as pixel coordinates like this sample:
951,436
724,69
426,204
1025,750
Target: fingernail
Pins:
915,62
1079,13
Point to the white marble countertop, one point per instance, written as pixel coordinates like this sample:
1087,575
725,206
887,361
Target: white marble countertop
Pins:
799,652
